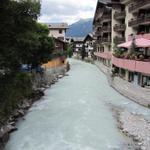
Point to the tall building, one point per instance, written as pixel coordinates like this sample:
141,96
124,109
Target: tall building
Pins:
119,21
102,30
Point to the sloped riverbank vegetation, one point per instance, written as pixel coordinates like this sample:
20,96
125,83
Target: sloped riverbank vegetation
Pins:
23,41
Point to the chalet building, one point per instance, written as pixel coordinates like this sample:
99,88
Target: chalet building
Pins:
60,45
124,21
58,30
89,44
78,44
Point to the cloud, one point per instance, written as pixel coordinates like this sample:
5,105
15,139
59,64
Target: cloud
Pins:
66,10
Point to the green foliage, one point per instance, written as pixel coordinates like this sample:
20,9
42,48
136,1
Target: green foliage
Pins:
37,46
118,53
59,54
69,51
14,88
133,47
22,41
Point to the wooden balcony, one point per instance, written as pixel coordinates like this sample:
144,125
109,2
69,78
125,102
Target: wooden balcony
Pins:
119,15
98,33
132,65
119,39
106,29
119,28
106,40
140,21
98,24
139,4
106,18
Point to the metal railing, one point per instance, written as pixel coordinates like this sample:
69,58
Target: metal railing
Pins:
119,27
139,20
119,15
138,4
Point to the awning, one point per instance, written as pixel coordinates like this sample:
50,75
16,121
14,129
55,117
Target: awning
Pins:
141,42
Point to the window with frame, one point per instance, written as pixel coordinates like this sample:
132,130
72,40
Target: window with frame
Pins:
60,31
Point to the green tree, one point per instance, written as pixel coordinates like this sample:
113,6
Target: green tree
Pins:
22,41
69,50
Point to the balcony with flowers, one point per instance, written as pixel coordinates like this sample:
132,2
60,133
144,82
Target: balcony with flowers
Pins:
133,58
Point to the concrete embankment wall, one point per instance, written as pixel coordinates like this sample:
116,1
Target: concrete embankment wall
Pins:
133,92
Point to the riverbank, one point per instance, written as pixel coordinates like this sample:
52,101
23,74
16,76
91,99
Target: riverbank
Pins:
133,125
138,94
41,82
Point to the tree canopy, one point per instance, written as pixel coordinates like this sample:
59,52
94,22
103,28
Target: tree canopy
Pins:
22,39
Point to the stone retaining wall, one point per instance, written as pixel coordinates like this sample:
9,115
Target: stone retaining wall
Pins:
136,93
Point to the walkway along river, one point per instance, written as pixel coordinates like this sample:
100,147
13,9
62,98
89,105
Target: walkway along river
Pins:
74,115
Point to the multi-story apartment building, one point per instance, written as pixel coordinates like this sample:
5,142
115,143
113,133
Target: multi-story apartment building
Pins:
58,30
130,19
102,29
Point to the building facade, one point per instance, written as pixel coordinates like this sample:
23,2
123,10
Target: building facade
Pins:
89,44
58,30
78,44
119,21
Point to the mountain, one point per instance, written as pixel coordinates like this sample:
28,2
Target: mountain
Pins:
80,28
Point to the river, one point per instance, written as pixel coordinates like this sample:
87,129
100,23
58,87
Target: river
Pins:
74,115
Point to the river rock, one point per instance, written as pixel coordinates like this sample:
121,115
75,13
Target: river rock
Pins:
21,112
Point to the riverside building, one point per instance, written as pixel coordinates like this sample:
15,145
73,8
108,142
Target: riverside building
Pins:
58,30
119,21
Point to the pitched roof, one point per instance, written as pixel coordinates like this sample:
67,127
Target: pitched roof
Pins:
78,39
104,1
57,25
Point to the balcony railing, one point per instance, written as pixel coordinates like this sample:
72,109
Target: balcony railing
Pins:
140,21
119,15
106,39
138,4
106,29
98,33
146,36
105,55
119,39
132,65
106,18
119,28
98,24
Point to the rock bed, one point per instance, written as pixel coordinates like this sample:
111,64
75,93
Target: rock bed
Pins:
136,127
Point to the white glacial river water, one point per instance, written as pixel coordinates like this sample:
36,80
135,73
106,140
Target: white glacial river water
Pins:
74,115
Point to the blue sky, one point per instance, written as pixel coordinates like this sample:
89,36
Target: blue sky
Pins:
67,10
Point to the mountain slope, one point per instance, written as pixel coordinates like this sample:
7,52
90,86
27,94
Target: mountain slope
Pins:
80,28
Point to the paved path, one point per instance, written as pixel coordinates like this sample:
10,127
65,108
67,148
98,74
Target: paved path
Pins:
136,93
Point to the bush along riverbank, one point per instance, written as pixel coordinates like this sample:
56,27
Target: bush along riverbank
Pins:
21,93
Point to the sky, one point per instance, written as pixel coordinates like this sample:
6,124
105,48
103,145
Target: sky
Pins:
69,11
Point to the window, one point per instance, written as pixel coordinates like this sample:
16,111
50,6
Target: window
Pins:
60,31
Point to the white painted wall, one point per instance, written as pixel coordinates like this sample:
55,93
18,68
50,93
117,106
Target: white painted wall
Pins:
55,33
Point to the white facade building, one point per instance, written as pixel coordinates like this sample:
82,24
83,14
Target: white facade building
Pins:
58,30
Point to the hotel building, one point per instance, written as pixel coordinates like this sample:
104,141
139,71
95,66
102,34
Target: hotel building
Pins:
119,21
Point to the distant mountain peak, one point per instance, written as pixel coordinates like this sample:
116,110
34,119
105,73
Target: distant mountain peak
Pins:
80,28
